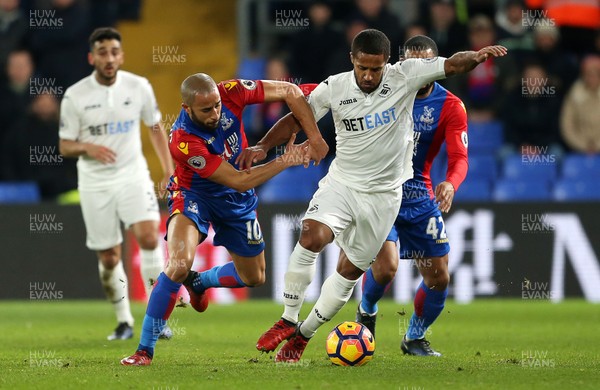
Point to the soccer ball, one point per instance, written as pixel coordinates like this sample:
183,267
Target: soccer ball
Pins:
350,344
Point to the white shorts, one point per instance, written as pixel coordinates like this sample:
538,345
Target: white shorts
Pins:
360,221
103,210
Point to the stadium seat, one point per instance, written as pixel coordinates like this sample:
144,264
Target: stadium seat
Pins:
295,184
523,167
577,190
485,137
512,190
19,192
581,166
474,190
483,167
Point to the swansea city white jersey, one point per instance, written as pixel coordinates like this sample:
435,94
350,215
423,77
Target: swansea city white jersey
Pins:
374,132
110,116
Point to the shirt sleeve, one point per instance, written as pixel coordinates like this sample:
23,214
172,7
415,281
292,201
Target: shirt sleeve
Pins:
421,71
69,127
243,92
193,154
307,88
319,99
457,142
150,113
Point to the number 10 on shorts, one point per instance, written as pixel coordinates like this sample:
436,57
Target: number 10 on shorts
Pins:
253,231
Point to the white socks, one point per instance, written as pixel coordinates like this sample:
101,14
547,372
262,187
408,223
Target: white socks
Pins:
300,272
336,291
114,282
153,263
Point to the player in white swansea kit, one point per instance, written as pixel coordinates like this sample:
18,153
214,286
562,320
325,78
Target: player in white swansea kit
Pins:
100,124
359,199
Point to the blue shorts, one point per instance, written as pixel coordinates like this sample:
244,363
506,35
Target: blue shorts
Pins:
420,228
232,216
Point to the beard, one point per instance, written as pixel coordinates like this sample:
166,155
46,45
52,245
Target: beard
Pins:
200,124
425,89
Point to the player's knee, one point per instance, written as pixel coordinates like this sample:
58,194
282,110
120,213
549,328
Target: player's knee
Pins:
177,269
439,281
148,240
254,279
109,258
314,241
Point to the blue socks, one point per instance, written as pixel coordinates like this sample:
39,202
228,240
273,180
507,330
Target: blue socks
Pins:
428,306
372,293
221,276
161,304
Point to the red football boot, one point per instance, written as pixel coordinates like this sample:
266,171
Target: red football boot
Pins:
139,358
198,301
291,352
281,330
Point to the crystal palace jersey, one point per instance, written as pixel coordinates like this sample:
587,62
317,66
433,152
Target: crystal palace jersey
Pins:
374,131
198,152
110,116
439,117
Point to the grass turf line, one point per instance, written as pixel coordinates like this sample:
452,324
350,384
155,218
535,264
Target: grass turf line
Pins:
492,344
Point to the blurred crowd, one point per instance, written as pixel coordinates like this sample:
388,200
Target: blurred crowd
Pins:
545,93
42,52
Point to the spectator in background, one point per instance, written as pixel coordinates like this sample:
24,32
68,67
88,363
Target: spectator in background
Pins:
578,21
560,65
531,110
412,30
514,31
267,114
444,28
580,115
30,150
483,89
58,51
15,93
375,14
338,62
481,83
13,29
311,48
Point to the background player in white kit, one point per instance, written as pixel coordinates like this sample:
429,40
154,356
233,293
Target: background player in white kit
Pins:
100,124
359,199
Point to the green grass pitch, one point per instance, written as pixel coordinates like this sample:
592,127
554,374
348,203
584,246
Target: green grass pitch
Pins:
490,344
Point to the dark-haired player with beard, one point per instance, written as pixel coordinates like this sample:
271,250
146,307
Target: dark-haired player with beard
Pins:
100,125
359,198
207,188
438,117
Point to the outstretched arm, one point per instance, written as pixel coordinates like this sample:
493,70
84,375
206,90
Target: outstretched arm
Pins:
466,61
455,129
227,175
160,143
280,133
294,98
